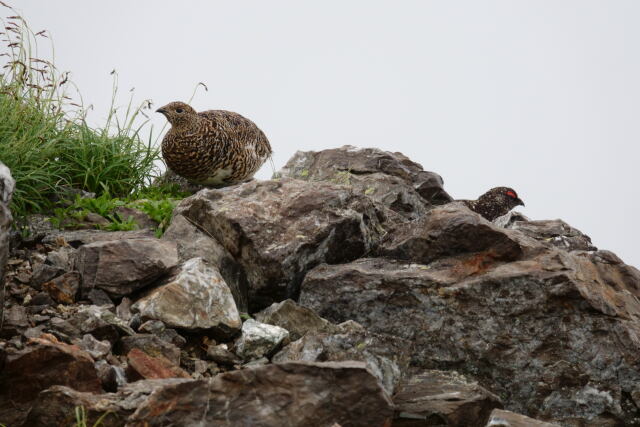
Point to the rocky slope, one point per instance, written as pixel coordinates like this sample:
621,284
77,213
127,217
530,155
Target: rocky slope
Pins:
349,290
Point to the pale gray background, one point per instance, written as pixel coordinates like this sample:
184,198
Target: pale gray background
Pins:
539,95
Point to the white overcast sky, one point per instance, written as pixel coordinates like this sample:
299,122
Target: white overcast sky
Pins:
542,96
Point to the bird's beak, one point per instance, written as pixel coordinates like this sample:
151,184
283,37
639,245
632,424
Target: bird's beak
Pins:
519,202
161,110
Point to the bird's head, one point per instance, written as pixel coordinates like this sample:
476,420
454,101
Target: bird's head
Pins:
178,113
505,197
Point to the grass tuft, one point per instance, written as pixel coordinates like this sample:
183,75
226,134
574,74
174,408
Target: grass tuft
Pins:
45,139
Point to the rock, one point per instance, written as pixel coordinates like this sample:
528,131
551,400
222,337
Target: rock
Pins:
152,367
277,230
294,318
386,356
41,299
545,332
123,310
43,363
56,405
62,258
220,354
450,230
96,349
501,418
43,273
141,219
443,398
259,339
194,298
63,289
99,297
95,320
89,221
111,376
15,319
7,185
556,232
391,179
151,345
121,267
192,242
85,237
308,394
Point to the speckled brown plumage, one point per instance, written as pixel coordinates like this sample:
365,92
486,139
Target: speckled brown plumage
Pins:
495,202
214,147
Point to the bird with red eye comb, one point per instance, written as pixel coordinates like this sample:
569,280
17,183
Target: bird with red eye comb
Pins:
495,202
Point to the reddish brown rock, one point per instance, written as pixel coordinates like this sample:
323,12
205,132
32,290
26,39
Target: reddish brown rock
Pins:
152,367
43,363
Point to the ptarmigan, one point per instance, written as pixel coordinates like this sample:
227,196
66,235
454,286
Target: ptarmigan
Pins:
495,202
214,148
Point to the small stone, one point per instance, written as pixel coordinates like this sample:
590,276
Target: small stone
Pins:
43,273
294,318
123,310
220,354
97,349
63,289
41,298
149,367
111,376
255,363
152,327
259,339
150,344
99,297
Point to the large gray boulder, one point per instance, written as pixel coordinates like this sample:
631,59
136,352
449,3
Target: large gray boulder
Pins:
554,332
277,230
391,179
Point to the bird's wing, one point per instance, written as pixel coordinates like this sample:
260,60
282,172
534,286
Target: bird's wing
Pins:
236,127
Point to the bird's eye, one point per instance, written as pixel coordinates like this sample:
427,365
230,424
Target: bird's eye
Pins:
512,194
179,110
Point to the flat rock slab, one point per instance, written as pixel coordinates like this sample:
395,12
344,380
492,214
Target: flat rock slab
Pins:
277,230
501,418
120,267
289,394
442,398
195,297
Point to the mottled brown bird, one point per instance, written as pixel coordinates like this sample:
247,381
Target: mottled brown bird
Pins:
214,148
495,202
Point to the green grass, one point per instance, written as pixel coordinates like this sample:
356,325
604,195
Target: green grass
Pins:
46,141
157,202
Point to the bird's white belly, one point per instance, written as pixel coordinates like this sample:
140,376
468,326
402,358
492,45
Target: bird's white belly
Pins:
219,178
